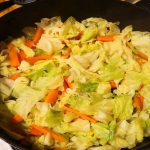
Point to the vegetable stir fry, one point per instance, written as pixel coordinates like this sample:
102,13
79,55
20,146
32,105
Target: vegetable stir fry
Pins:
76,85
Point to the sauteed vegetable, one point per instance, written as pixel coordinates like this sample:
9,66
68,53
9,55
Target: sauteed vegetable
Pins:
76,85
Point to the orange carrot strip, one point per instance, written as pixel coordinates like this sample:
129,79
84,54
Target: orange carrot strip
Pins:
13,56
29,43
42,130
33,60
106,38
70,84
139,61
36,38
112,84
57,136
34,131
15,76
138,101
83,116
17,119
22,55
38,35
39,129
65,86
52,96
142,55
67,53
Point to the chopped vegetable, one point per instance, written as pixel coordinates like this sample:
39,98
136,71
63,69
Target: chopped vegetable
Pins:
37,35
70,84
106,38
88,87
123,107
35,131
40,130
29,43
141,55
22,55
65,85
52,96
89,33
36,38
20,44
17,119
138,101
33,60
76,85
83,116
139,61
15,76
113,85
76,37
13,56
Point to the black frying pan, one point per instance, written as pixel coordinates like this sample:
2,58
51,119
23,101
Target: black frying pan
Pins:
112,10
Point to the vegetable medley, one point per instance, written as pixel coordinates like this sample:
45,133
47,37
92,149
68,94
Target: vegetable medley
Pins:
76,85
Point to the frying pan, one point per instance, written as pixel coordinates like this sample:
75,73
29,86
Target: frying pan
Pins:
112,10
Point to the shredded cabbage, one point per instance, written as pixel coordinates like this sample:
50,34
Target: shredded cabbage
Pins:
94,91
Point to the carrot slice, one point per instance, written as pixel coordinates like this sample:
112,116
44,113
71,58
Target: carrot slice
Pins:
70,84
13,56
57,136
65,86
15,76
33,60
141,54
41,130
22,55
106,38
17,119
36,38
139,61
34,131
38,35
52,96
112,84
138,101
83,116
29,43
